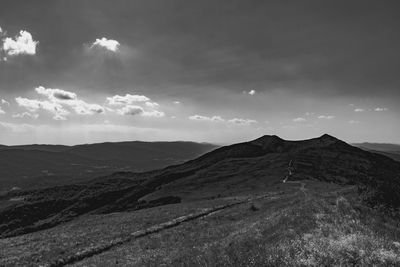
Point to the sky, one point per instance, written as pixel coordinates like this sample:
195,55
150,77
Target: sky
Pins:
224,71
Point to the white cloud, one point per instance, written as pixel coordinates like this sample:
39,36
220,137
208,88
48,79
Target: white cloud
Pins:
380,109
177,102
326,117
59,102
251,92
3,102
299,119
70,99
239,121
153,113
128,105
205,118
111,45
353,122
34,105
128,99
23,44
26,115
152,104
56,94
130,110
83,108
236,121
359,110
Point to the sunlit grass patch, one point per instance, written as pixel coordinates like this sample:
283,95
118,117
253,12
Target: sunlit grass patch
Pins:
315,234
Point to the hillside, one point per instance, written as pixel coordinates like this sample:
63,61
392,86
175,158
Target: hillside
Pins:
32,166
226,207
249,167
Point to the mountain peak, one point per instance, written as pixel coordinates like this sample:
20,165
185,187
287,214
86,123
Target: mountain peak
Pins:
328,137
324,140
268,137
275,143
266,140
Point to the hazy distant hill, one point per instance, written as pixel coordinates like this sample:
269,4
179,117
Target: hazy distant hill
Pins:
146,155
385,147
389,150
30,166
50,148
250,167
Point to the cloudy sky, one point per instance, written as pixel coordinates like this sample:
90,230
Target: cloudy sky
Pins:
217,71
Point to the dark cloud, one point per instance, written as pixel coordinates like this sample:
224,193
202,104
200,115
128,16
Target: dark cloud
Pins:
349,47
63,96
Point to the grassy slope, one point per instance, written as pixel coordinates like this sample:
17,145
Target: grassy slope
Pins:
324,225
313,230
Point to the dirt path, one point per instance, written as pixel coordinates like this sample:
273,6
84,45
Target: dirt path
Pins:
154,229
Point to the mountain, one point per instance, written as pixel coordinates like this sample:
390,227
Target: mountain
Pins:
32,166
243,168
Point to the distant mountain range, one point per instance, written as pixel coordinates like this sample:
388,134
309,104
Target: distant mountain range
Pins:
252,166
30,166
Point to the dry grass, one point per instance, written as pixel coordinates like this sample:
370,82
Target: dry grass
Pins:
289,232
326,228
337,238
86,232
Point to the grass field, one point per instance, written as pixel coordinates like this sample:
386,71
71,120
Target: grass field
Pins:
324,225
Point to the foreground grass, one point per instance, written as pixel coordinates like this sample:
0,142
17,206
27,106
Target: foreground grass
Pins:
323,226
45,246
292,231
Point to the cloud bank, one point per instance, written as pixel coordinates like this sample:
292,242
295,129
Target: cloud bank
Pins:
59,103
236,121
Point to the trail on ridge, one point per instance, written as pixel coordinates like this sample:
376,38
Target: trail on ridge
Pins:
86,253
